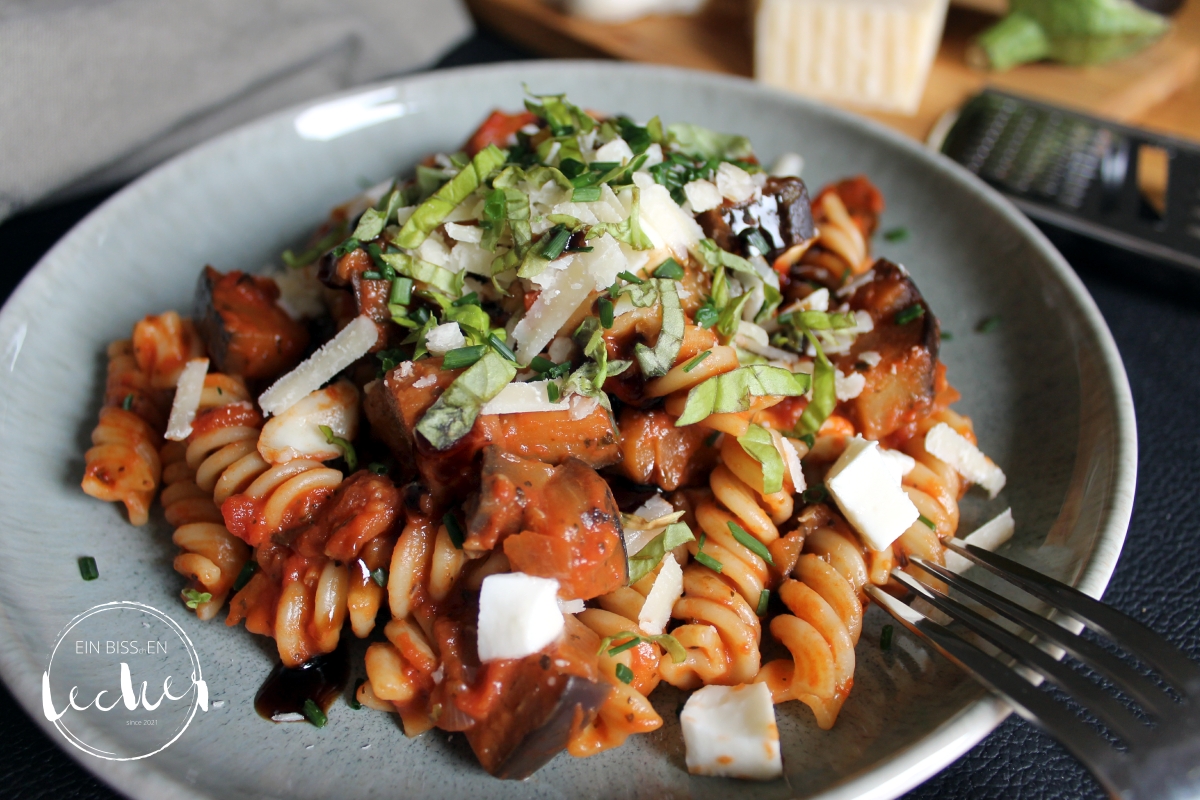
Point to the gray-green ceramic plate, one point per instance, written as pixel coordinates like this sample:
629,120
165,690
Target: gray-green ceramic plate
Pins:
1046,391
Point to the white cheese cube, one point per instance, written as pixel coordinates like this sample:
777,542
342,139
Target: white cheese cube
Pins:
947,444
873,53
734,183
866,485
987,536
351,343
189,387
730,731
444,338
902,462
668,587
523,398
518,615
703,195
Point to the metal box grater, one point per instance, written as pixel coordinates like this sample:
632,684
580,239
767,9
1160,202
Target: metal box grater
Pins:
1080,174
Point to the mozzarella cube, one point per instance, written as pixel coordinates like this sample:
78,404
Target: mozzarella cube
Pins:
988,536
730,732
703,195
902,462
444,338
866,485
518,615
947,444
668,587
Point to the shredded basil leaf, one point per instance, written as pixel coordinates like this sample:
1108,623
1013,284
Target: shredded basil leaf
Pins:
434,211
380,577
643,562
659,360
453,415
669,269
347,449
759,445
704,143
733,391
824,392
437,277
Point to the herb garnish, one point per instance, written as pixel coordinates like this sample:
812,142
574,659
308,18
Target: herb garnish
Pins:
764,597
695,362
194,598
988,324
815,494
704,558
624,674
885,638
463,356
248,570
454,530
87,568
347,449
380,577
927,522
907,315
127,403
750,543
314,714
896,234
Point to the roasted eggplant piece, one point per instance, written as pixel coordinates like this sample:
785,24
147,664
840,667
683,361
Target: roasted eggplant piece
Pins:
783,215
245,330
900,387
656,452
554,522
395,404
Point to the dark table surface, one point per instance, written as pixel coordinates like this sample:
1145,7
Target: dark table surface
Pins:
1154,317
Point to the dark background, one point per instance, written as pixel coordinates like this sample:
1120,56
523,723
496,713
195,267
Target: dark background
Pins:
1154,316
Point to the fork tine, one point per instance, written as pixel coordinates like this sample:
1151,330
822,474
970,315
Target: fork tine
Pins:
1103,705
1029,702
1139,640
1152,698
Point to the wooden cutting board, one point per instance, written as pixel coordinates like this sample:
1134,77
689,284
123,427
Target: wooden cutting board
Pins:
718,39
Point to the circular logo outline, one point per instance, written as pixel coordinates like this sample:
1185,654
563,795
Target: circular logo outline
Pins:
199,687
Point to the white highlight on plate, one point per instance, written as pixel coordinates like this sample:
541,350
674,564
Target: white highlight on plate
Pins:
336,118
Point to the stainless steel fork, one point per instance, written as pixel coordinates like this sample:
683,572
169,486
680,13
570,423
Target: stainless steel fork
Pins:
1154,755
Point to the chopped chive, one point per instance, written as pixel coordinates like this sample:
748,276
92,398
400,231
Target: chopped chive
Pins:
947,336
377,468
764,597
572,167
385,269
541,364
372,275
194,598
248,570
345,248
87,568
353,701
809,439
704,558
606,312
750,543
669,269
467,300
896,234
552,392
711,439
624,674
457,537
707,315
885,638
815,494
314,714
988,324
927,522
501,348
623,646
127,403
905,316
463,356
586,194
695,362
557,242
380,576
754,237
630,277
347,449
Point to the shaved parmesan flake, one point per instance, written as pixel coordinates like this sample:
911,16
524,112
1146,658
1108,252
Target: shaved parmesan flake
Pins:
791,460
617,151
464,233
188,390
703,195
582,406
668,587
655,507
734,183
428,380
664,221
987,536
947,444
870,357
849,386
570,606
351,343
523,398
444,338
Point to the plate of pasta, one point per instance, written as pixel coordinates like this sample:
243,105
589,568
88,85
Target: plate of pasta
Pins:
535,429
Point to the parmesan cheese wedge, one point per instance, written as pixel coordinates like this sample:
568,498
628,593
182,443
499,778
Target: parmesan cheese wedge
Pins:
872,53
351,343
523,398
987,536
668,587
188,390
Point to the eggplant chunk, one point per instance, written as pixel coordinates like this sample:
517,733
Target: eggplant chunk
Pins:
900,387
395,404
783,214
542,700
554,522
245,330
657,453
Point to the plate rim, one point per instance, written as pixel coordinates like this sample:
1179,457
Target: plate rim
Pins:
886,779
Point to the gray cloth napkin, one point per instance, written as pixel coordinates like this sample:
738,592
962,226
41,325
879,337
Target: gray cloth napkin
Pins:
96,91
